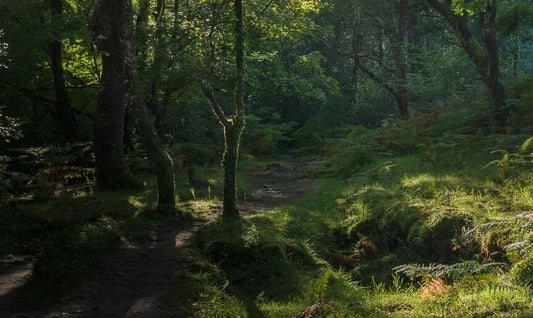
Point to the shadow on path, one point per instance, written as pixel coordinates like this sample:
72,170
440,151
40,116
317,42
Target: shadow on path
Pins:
138,281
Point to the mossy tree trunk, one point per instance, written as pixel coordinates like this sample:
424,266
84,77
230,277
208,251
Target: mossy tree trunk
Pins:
232,135
234,124
233,127
119,15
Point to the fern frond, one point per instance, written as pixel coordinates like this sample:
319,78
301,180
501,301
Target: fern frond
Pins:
487,226
522,245
454,271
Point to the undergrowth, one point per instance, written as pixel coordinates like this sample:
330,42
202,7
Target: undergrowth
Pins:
425,226
411,220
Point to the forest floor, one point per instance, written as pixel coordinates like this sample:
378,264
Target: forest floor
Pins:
136,280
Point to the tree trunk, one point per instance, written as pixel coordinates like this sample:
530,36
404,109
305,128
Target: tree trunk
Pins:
357,44
232,135
486,59
64,116
401,56
116,17
400,94
234,124
496,90
159,158
111,168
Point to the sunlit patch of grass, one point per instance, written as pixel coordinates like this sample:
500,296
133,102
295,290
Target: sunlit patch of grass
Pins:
202,207
209,183
469,298
136,202
492,299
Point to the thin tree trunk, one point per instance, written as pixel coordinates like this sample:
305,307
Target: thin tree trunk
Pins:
234,125
357,43
233,132
64,116
232,135
401,58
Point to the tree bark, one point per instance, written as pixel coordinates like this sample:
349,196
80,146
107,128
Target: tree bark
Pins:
234,125
232,134
112,170
357,44
496,90
117,15
486,59
401,57
64,115
159,158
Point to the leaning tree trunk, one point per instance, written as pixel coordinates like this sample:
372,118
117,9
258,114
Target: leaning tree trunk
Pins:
64,116
160,159
119,15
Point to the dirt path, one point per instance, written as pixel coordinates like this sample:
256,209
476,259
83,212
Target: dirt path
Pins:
278,184
134,281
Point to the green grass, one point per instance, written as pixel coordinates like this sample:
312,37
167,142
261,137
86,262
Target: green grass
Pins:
397,209
209,182
414,208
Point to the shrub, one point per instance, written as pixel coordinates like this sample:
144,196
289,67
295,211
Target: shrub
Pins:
354,151
397,136
255,257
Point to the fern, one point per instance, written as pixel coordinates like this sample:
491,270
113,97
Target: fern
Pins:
454,271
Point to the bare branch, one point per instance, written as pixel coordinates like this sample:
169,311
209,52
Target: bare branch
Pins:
359,56
215,106
377,79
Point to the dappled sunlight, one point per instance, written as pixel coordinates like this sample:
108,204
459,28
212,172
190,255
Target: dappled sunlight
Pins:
202,207
421,180
136,202
266,158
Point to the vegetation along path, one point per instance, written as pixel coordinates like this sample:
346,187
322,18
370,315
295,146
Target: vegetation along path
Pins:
136,280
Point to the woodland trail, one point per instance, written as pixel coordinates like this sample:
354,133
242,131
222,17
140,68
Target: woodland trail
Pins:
137,281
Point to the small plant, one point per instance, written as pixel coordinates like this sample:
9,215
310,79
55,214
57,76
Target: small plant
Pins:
513,163
353,152
454,272
522,272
